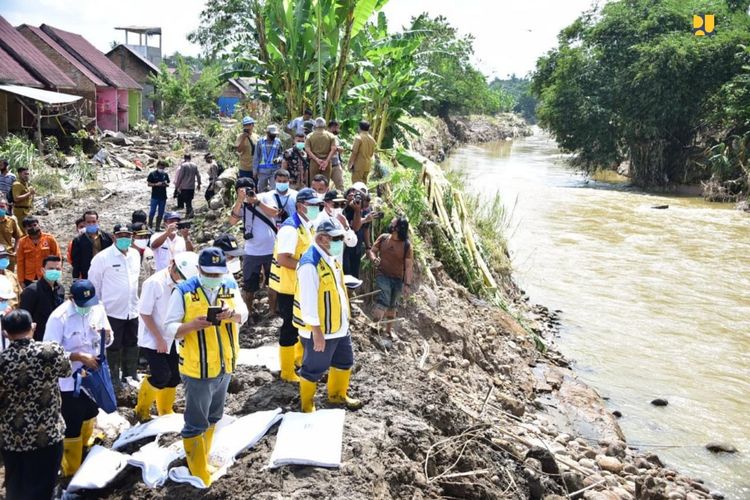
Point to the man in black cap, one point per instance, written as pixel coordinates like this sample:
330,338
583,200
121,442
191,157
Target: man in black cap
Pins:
76,326
114,273
205,313
171,241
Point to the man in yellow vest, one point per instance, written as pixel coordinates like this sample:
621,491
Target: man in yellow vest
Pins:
205,314
293,239
321,312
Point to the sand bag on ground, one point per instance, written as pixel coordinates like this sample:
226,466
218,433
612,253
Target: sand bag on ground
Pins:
166,424
229,441
310,439
99,469
155,460
267,355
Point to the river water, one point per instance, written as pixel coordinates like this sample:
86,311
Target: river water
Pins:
656,303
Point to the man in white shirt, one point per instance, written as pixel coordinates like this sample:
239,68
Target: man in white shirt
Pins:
114,272
76,325
333,211
285,197
156,345
172,241
297,126
323,319
258,212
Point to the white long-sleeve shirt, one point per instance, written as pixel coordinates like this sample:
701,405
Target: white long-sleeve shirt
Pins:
287,237
350,237
176,308
76,333
115,277
309,282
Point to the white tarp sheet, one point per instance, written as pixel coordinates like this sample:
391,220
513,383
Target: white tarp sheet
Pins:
267,355
154,461
309,439
100,468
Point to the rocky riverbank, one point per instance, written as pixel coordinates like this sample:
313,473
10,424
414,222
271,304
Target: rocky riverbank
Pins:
458,400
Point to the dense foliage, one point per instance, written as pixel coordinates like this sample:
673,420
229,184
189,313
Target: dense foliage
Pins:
187,93
519,89
631,81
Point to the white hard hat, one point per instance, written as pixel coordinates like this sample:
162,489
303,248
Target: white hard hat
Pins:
6,289
187,264
360,186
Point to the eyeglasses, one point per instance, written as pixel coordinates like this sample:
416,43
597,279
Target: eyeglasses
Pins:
337,238
339,204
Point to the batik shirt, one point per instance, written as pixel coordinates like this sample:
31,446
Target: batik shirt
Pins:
30,400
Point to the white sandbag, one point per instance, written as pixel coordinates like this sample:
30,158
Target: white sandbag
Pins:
166,424
111,424
267,355
154,461
229,441
98,470
309,439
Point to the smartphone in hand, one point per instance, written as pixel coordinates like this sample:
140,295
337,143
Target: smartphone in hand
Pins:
211,315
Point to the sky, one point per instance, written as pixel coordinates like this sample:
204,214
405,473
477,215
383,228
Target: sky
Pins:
510,35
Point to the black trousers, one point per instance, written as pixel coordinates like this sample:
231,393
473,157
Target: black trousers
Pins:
31,475
76,410
124,333
352,259
288,334
186,198
165,369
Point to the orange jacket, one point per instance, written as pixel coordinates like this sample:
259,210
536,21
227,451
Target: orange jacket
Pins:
30,254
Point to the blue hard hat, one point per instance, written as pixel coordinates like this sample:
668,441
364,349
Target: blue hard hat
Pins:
247,121
308,196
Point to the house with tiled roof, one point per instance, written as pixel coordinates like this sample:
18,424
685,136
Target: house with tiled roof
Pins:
139,69
119,104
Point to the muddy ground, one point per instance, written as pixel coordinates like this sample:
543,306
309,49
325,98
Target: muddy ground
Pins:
458,403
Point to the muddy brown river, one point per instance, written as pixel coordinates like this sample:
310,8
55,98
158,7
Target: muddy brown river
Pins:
656,302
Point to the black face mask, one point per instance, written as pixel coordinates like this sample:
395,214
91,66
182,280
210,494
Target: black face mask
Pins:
34,230
271,137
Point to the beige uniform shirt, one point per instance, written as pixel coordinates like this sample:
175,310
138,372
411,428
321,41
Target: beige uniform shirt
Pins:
320,143
246,147
363,149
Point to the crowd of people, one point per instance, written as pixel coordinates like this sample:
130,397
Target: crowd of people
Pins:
145,291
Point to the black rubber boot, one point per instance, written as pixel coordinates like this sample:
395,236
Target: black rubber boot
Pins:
158,223
114,358
130,362
151,222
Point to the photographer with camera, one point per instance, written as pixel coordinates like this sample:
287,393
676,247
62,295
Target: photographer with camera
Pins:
258,212
356,213
173,240
267,159
333,211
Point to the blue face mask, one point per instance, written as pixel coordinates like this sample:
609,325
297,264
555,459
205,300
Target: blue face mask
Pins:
337,248
123,243
52,275
312,213
282,186
92,228
300,146
83,311
4,263
3,212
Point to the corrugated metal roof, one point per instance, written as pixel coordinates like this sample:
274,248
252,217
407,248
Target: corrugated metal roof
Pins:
64,53
44,96
31,58
90,56
13,73
145,61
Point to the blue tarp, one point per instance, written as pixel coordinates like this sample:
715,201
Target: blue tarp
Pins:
227,104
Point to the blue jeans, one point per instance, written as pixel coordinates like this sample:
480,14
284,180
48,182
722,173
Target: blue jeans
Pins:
390,291
338,354
204,402
265,180
156,203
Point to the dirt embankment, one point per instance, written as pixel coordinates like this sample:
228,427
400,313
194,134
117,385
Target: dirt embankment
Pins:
437,137
458,404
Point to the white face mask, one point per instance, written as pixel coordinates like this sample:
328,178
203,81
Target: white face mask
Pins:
337,211
82,230
141,244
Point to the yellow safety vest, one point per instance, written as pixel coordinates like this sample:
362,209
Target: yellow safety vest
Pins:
330,309
210,352
282,279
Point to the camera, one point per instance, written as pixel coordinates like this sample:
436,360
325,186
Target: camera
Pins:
248,236
358,199
184,225
378,215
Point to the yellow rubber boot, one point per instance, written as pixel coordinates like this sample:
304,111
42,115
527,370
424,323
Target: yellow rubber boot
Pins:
147,394
165,400
72,455
209,438
286,356
87,430
197,457
338,385
307,395
299,352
